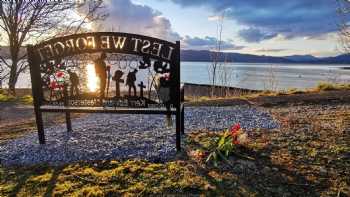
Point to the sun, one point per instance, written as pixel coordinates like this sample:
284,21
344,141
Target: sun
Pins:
92,79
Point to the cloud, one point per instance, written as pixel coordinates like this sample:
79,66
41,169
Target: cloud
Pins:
207,43
269,50
255,35
125,16
292,18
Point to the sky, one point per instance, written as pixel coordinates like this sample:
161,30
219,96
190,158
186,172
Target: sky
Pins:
262,27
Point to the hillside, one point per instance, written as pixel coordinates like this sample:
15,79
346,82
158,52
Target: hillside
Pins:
193,55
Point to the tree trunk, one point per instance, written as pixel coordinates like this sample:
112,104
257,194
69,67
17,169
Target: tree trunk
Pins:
13,78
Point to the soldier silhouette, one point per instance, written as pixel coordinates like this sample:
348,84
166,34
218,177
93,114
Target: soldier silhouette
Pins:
117,78
101,72
130,81
74,80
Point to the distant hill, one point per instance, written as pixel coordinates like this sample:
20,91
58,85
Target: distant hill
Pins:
340,59
206,56
196,56
302,58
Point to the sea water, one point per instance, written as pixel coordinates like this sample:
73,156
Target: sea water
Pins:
255,76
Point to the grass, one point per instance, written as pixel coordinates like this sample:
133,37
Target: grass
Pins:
321,87
26,99
324,86
103,178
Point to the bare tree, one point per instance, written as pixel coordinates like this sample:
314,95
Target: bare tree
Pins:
216,53
23,22
344,26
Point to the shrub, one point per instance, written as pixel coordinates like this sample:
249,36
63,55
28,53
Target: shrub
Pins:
27,99
6,98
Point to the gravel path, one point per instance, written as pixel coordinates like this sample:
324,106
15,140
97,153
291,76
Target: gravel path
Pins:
112,136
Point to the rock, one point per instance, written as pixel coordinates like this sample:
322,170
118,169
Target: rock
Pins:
323,171
266,170
247,164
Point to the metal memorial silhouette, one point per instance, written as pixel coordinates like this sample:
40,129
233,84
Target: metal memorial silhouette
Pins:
106,72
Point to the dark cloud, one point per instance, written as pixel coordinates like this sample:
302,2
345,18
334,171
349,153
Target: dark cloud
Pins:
291,18
255,35
207,43
126,16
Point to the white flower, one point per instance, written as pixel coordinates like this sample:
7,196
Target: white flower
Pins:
243,138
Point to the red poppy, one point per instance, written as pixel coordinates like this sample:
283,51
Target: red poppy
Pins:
234,133
167,76
53,85
235,142
59,74
235,128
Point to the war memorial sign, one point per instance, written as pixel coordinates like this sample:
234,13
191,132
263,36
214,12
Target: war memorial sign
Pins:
106,72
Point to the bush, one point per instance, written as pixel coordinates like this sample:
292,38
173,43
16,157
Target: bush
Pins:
27,99
6,98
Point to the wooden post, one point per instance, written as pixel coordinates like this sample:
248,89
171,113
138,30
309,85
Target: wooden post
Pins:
182,111
68,120
36,92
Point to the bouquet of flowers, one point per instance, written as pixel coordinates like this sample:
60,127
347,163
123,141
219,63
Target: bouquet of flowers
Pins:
227,142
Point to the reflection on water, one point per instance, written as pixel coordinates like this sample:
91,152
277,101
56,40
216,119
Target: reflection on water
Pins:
252,76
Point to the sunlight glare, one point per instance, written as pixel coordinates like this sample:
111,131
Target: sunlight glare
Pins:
92,80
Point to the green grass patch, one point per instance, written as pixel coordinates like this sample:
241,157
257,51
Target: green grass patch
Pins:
103,178
7,98
26,99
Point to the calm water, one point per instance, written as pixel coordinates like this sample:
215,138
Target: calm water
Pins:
265,76
254,76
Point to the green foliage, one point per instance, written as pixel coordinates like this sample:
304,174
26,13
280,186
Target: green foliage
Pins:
6,98
221,148
106,178
27,99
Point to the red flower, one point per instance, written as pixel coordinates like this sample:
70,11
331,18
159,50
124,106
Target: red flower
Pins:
53,85
235,142
59,74
234,133
167,77
235,128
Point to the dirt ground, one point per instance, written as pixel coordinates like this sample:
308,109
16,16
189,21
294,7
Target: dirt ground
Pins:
309,155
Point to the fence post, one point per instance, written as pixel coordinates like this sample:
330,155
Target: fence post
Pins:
178,97
68,119
36,92
182,110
